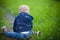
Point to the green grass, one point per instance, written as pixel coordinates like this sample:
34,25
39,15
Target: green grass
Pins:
46,16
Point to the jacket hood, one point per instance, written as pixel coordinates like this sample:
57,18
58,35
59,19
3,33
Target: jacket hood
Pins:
26,16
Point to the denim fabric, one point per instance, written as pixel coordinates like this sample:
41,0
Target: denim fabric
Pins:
18,35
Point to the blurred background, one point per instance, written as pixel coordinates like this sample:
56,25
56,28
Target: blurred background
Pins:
46,15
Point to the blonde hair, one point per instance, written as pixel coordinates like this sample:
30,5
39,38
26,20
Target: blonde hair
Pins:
24,8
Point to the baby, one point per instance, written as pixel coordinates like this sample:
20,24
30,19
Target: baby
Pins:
23,24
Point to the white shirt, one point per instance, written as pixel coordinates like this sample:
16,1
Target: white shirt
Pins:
25,32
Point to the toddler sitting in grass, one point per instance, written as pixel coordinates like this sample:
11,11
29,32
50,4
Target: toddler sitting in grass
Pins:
23,24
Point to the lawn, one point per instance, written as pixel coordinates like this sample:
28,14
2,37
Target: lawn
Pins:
46,15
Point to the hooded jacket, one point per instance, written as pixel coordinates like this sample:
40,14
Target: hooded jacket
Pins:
23,22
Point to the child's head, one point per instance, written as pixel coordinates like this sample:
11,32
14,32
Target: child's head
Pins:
24,8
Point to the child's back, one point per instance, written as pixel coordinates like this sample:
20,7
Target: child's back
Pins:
23,22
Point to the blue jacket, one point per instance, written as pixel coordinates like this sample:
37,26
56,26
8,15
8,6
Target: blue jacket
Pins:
23,22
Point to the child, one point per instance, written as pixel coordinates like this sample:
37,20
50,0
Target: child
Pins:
23,22
22,25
